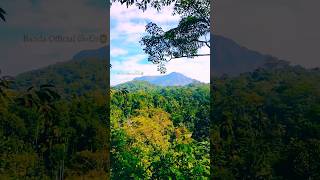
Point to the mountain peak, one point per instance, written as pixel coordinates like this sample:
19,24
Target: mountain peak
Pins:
175,74
233,59
172,79
101,54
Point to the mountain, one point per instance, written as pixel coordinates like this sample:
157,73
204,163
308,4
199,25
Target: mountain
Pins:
228,58
232,59
136,85
172,79
101,53
86,71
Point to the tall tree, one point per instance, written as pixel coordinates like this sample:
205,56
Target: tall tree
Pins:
183,41
4,84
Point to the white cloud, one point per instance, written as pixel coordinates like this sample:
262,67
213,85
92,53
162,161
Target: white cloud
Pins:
197,68
118,52
121,13
129,25
130,22
131,32
130,28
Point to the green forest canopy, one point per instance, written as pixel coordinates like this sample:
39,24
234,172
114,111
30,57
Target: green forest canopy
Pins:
264,125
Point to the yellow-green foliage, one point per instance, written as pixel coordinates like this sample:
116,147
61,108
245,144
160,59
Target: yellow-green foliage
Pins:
150,130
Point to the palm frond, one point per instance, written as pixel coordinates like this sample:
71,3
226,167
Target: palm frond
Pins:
2,13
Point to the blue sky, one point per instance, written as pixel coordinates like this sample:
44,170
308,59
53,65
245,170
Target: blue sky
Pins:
75,17
127,57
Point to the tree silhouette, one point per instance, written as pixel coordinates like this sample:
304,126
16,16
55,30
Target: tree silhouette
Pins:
42,100
5,82
143,4
2,13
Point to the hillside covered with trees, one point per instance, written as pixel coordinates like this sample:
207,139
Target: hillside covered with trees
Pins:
152,132
265,125
160,132
74,77
46,137
262,124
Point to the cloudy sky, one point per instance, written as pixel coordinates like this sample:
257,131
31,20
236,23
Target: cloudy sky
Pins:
47,18
288,29
127,57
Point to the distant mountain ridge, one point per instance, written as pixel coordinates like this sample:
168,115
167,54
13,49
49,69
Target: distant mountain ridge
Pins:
228,57
172,79
135,85
232,59
101,54
86,71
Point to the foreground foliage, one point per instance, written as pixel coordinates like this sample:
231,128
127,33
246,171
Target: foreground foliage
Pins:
266,124
45,137
154,132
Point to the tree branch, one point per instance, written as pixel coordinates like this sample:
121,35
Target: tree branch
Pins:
196,55
206,42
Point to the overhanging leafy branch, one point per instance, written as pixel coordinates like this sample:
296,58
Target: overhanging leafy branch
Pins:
183,41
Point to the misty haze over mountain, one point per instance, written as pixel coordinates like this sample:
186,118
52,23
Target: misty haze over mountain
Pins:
172,79
286,29
88,68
